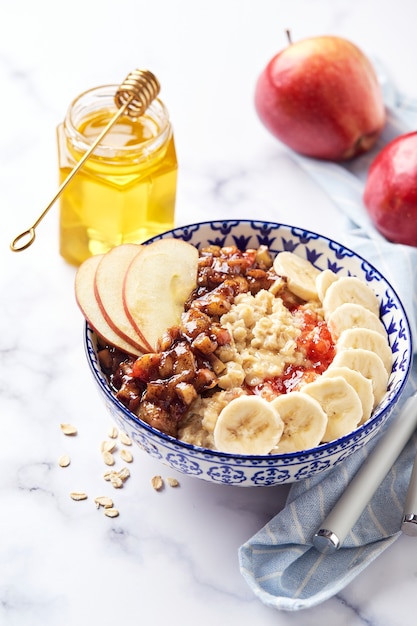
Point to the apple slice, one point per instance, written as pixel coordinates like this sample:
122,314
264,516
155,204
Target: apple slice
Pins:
108,290
157,283
84,295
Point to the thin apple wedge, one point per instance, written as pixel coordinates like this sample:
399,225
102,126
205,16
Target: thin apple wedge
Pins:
157,283
84,295
108,290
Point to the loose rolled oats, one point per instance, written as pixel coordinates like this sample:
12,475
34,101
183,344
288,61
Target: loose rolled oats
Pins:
157,483
78,495
113,432
117,478
68,429
107,446
111,512
126,455
125,439
103,501
64,460
124,473
108,458
116,481
172,482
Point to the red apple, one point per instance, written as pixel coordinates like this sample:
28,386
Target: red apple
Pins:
390,194
321,97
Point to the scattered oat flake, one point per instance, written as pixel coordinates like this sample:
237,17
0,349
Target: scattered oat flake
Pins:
111,512
117,478
125,439
64,460
68,429
107,446
104,501
78,495
108,458
126,455
113,432
157,483
107,475
124,473
172,482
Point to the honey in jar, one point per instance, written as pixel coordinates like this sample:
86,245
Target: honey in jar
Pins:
125,191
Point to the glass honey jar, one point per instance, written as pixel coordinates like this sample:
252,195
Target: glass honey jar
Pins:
125,191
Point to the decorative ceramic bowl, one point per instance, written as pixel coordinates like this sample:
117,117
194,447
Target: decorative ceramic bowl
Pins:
260,471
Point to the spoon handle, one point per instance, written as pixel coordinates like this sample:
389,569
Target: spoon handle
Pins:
360,490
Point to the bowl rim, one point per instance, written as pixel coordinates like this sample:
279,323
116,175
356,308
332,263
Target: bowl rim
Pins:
89,332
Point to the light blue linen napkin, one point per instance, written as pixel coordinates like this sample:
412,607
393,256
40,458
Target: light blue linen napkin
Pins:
279,563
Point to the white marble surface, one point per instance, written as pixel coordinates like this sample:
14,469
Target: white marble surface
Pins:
171,557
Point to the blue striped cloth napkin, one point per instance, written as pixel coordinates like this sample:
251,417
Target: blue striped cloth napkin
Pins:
279,562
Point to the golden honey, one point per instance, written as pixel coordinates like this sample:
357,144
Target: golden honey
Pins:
125,192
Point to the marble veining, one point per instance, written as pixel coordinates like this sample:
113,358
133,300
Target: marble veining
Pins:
171,556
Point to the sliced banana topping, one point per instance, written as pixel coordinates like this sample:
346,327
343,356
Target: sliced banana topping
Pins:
349,289
339,401
352,315
368,364
304,421
368,340
323,281
362,386
301,274
248,425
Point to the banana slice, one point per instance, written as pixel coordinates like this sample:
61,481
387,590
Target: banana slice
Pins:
351,315
339,401
349,289
368,364
301,274
369,340
362,386
248,425
323,282
304,422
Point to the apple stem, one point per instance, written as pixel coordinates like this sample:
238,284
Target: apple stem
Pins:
288,36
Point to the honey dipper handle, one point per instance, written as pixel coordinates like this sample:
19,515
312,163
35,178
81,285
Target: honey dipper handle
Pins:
27,237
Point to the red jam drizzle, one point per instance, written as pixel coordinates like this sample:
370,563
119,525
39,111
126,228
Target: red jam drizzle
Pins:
316,342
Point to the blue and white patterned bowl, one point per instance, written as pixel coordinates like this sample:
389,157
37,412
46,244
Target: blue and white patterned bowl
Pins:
260,471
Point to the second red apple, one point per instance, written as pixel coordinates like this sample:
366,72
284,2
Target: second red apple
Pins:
390,195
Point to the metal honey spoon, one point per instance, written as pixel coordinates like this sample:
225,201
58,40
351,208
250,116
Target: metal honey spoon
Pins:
133,97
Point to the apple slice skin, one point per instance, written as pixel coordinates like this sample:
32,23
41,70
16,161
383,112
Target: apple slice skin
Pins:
157,283
87,303
108,290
